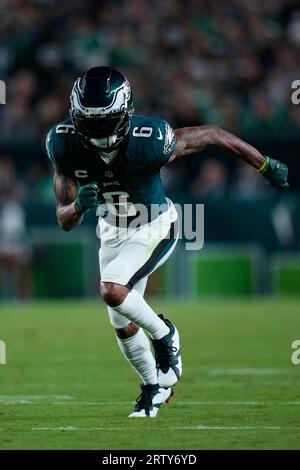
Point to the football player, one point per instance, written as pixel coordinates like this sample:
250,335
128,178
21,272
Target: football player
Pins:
105,156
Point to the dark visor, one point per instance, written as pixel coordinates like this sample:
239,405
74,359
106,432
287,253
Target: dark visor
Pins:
97,127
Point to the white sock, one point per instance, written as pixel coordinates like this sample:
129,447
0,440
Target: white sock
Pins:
136,309
137,351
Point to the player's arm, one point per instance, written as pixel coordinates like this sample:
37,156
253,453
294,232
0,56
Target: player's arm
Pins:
65,189
70,203
191,140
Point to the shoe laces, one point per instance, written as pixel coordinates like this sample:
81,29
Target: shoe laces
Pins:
164,354
144,400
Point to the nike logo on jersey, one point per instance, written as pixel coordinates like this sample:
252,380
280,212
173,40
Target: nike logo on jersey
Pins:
160,137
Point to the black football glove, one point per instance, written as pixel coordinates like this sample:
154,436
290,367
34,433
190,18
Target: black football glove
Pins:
87,198
275,173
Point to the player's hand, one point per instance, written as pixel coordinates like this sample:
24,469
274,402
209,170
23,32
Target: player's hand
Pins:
87,198
275,173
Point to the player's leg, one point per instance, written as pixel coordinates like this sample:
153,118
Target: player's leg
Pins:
136,348
167,347
143,252
131,339
145,249
133,342
133,262
132,305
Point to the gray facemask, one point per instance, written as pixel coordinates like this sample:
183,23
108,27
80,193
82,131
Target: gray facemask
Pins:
105,142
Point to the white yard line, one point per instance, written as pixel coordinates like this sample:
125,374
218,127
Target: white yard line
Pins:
186,403
198,427
202,427
95,403
66,400
239,403
31,399
77,428
243,371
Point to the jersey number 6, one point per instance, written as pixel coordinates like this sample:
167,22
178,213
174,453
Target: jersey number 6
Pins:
143,132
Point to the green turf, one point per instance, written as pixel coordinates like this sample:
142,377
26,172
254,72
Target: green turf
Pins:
237,376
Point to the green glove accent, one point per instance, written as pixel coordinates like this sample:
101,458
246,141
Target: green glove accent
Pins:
276,173
87,198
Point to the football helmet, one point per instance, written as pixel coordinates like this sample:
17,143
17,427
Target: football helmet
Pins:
101,108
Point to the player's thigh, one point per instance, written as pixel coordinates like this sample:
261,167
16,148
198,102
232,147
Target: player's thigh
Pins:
141,255
106,256
166,255
113,240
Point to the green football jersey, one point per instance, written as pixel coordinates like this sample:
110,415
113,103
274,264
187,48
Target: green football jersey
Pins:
132,181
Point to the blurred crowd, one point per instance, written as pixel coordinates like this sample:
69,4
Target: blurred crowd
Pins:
191,62
231,63
15,255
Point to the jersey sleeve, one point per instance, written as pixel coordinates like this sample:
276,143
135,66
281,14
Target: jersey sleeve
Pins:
164,142
50,146
56,150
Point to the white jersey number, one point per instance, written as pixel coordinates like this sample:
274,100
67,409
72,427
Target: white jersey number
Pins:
117,202
143,132
65,128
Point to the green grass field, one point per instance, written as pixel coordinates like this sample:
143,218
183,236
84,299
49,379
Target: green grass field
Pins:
66,386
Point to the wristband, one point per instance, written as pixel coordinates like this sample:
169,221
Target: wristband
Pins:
77,209
264,165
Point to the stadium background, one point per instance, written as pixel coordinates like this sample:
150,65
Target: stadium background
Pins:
65,384
191,63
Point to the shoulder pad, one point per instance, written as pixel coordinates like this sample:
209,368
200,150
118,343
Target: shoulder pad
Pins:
57,143
153,138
